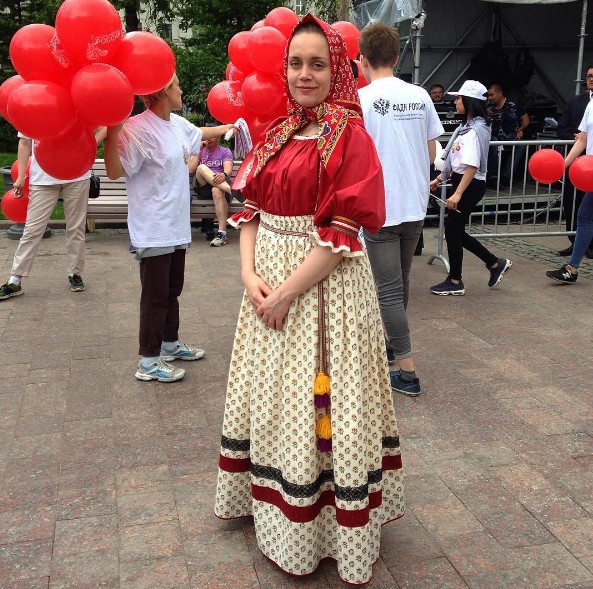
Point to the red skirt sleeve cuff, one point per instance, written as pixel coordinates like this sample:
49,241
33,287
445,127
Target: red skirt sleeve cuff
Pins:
250,210
340,236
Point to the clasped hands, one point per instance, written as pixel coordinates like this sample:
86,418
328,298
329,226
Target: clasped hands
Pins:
269,305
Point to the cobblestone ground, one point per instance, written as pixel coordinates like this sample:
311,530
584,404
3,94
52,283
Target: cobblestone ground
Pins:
108,482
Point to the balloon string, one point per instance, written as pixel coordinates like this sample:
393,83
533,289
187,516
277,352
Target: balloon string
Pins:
130,136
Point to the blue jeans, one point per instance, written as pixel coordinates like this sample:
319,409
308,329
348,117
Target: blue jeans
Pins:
391,252
584,234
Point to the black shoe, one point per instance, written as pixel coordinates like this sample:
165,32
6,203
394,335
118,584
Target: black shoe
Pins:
567,251
498,272
9,290
76,283
589,253
563,275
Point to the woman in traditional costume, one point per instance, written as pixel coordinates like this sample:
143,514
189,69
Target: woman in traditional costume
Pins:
310,445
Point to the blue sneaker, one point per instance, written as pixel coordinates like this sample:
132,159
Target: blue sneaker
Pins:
181,352
411,389
160,371
448,288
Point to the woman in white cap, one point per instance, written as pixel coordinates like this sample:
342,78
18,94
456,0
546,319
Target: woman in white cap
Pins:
465,160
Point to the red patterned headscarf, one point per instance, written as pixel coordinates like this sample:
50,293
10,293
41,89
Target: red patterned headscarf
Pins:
340,108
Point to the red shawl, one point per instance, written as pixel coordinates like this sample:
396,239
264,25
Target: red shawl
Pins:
340,108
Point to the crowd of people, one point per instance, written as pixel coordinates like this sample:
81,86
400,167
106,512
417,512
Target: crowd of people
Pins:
336,194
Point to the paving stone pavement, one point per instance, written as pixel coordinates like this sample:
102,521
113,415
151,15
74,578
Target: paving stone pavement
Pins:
108,482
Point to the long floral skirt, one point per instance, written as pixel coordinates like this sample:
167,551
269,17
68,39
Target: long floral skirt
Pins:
308,505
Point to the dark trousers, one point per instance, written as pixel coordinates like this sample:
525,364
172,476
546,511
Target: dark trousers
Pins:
161,278
455,235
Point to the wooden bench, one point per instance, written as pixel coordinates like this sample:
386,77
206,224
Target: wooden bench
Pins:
112,204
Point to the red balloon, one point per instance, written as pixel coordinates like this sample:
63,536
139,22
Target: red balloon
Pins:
581,173
546,166
257,125
14,174
146,60
362,81
233,73
265,48
15,208
41,110
257,25
37,54
283,19
350,33
238,53
225,102
69,156
89,29
6,90
102,95
262,93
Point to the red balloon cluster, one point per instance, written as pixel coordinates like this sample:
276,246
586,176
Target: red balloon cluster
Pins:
254,88
581,173
76,77
546,166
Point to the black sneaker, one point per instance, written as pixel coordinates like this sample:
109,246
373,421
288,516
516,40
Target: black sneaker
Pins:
496,274
567,251
447,287
76,283
9,290
563,275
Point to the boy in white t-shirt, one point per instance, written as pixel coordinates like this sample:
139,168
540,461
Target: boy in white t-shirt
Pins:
153,152
404,125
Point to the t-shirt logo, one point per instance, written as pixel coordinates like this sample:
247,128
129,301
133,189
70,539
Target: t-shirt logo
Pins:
381,106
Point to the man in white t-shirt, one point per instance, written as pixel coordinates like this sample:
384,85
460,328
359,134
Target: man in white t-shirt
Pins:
44,193
404,124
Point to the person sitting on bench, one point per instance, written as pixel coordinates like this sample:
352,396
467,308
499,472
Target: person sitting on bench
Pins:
212,167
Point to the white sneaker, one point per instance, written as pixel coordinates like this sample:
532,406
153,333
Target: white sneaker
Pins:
220,240
182,352
160,371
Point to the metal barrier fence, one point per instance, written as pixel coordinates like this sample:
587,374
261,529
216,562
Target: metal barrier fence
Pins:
515,205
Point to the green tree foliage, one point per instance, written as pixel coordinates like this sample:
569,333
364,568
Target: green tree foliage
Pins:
14,15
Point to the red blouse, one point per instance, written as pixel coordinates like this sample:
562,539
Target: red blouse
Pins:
287,185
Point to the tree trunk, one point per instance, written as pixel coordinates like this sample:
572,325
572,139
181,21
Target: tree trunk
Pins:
131,16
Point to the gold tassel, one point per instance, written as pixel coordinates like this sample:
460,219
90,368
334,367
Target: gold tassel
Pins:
323,429
322,385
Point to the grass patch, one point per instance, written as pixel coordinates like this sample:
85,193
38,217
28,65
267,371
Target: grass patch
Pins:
6,161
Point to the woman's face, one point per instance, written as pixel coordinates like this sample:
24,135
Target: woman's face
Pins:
309,69
459,105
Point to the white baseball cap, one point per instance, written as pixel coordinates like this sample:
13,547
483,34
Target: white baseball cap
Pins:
471,89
